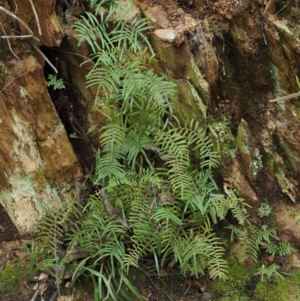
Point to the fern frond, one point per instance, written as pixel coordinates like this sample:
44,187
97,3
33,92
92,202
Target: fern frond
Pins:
218,267
165,217
269,272
201,143
239,213
108,165
192,255
262,235
195,256
281,249
93,31
54,225
112,139
124,36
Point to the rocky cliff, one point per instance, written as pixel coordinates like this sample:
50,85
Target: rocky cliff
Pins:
228,59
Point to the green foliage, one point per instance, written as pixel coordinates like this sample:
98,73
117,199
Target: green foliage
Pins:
264,210
269,272
239,275
54,82
155,194
10,277
285,290
234,231
261,239
54,226
280,249
258,239
73,135
235,286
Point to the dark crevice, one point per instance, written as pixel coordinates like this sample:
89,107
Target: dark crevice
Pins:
8,231
72,111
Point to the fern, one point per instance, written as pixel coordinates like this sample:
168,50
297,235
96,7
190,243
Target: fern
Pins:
54,226
217,265
234,231
155,193
270,271
281,249
262,239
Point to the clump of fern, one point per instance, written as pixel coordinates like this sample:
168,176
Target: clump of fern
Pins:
264,239
155,190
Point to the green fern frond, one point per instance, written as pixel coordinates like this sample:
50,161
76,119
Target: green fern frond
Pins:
218,267
93,32
281,249
237,206
239,213
270,271
134,255
195,255
234,231
262,235
54,225
130,36
108,165
165,217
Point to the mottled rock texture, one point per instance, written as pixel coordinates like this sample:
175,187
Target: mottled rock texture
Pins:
38,165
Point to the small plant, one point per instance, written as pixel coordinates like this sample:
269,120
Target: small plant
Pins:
54,82
234,231
261,240
264,210
258,239
257,162
281,249
73,135
270,271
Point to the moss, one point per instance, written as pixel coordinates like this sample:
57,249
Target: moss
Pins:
276,165
197,80
235,286
242,139
187,104
10,277
283,290
224,141
239,276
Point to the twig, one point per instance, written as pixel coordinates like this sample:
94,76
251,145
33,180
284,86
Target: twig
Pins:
269,6
263,30
9,43
12,81
287,5
46,59
35,294
186,291
17,37
285,97
36,17
69,52
54,295
16,6
18,19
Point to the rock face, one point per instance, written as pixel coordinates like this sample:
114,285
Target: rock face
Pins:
38,165
228,60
